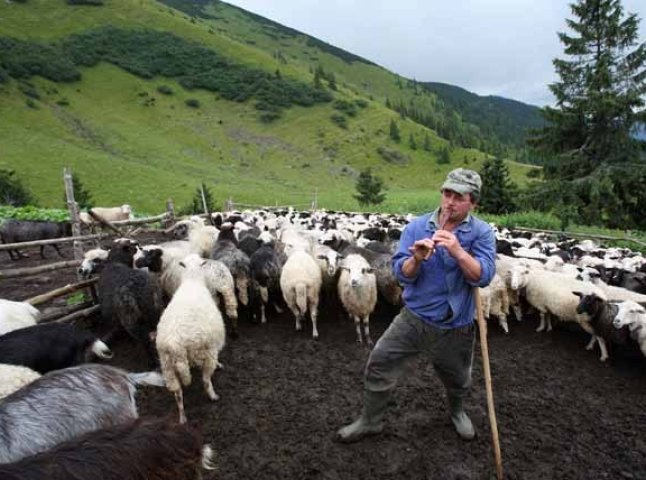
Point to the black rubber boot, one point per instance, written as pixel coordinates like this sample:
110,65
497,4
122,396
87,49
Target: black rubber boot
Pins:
460,419
371,420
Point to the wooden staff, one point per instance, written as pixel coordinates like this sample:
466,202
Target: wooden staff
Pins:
482,326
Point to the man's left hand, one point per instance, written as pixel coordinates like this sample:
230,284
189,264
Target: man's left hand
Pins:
446,239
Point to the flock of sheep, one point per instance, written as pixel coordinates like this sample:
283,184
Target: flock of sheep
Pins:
180,298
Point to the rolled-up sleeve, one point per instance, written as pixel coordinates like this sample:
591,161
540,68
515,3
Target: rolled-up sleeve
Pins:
484,251
407,239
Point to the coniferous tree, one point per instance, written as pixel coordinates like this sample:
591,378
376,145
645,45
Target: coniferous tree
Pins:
12,191
590,154
369,188
196,206
427,143
498,193
82,196
411,142
395,136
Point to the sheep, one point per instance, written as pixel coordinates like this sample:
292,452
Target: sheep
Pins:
387,283
551,294
238,264
602,314
328,261
67,403
14,377
190,333
633,315
50,347
504,265
266,265
217,276
201,237
15,231
151,450
131,298
15,315
357,289
110,214
495,301
300,282
93,262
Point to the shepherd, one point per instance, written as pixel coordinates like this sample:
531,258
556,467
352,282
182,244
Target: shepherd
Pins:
442,257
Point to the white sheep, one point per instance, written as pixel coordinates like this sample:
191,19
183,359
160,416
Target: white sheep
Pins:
15,315
111,214
14,377
328,261
357,289
201,237
300,282
495,301
551,294
190,333
634,315
504,265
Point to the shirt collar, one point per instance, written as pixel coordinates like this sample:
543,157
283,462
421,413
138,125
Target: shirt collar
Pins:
464,226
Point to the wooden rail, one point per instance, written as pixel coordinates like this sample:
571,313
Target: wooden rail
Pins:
25,272
69,288
583,235
50,241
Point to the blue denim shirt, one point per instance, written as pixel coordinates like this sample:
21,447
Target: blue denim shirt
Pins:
439,283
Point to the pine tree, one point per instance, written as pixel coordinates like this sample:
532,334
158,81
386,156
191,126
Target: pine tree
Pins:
12,191
411,142
369,188
600,96
196,206
498,193
395,136
427,143
82,197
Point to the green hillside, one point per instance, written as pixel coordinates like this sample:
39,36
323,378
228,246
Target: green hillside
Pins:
226,123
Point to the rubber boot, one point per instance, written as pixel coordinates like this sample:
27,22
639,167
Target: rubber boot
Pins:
460,419
371,420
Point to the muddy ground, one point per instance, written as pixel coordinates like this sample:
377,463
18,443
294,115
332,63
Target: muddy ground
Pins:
562,414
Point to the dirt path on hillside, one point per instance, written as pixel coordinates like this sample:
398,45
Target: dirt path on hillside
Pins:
562,413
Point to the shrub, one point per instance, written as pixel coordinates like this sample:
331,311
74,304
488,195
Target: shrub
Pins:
349,108
340,120
393,156
192,102
12,191
95,3
31,104
164,89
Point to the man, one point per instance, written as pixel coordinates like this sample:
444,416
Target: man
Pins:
441,257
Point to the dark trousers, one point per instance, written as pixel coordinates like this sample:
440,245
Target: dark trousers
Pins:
450,351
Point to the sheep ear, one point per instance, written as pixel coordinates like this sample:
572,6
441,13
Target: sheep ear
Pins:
182,264
321,257
203,263
578,294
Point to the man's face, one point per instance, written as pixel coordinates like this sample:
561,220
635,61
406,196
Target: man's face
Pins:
455,205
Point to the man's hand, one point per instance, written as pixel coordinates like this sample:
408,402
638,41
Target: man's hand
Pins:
422,249
449,241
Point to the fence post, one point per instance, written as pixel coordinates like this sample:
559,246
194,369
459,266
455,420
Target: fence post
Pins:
170,209
206,210
74,212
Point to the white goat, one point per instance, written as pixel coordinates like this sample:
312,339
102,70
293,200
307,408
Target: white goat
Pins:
358,292
15,315
190,333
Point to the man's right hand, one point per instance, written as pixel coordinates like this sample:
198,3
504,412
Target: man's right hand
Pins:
422,249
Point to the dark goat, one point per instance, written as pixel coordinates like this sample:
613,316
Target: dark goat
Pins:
64,404
14,231
133,298
48,347
152,449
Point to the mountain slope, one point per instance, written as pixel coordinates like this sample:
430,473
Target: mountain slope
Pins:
131,143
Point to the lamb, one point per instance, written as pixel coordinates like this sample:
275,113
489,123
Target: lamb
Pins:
93,262
190,333
633,315
130,297
238,264
357,289
48,347
67,403
602,314
151,449
15,231
495,301
551,293
300,282
15,315
14,377
110,214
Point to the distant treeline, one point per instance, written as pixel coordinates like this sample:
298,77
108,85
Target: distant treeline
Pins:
148,53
